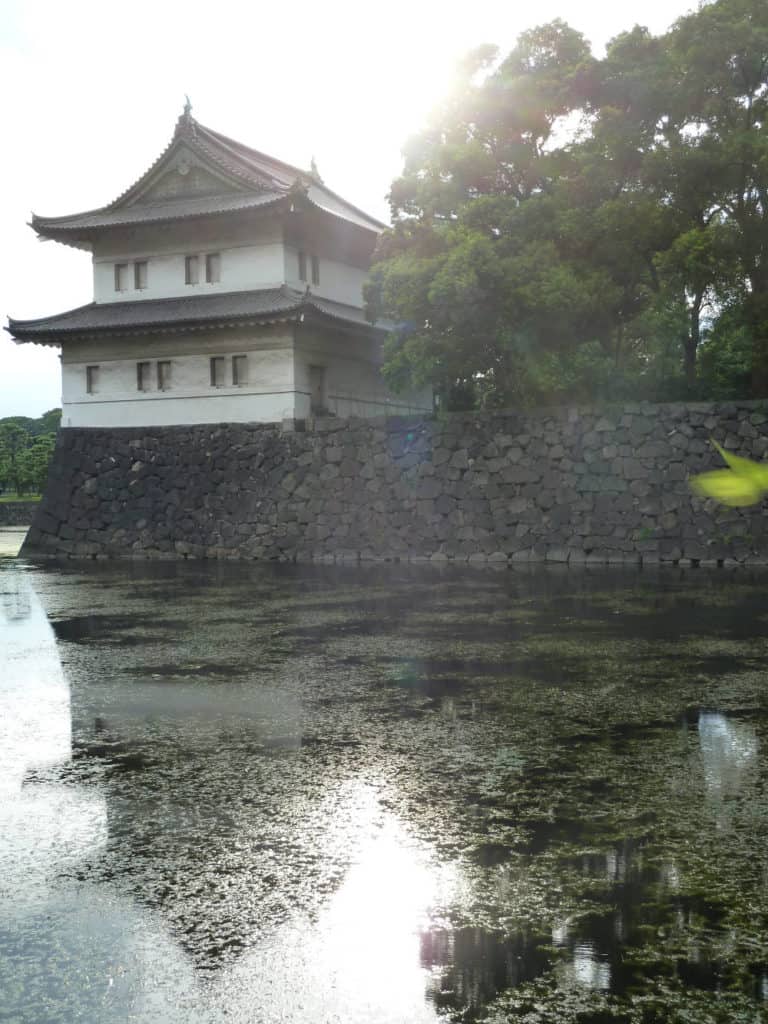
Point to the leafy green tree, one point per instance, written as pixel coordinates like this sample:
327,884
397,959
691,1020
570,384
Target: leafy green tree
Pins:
34,461
48,423
13,442
568,227
720,102
26,449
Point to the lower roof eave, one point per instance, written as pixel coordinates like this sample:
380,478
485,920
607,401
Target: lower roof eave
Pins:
141,330
308,316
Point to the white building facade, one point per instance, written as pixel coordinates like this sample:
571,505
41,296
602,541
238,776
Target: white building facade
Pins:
228,287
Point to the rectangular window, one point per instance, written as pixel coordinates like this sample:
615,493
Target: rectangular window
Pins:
217,371
143,376
213,267
140,275
164,375
239,370
91,379
121,277
302,266
315,270
191,269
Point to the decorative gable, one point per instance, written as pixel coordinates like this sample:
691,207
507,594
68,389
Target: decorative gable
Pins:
185,180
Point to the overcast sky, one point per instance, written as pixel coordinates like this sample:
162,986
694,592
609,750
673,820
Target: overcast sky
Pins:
90,93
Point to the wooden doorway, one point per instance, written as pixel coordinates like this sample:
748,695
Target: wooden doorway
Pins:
317,395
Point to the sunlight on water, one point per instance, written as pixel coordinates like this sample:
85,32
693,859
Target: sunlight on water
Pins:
360,960
42,824
371,929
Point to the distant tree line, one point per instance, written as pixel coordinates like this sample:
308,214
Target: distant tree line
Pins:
26,447
575,228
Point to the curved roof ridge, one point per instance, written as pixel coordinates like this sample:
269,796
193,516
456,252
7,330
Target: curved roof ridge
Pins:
311,180
155,163
247,152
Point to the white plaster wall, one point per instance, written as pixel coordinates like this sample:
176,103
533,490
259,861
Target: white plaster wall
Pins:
243,268
267,397
278,379
354,385
338,281
177,410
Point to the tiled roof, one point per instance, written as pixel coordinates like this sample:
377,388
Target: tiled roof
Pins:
177,209
148,316
259,180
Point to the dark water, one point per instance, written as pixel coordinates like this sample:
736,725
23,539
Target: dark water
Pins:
267,794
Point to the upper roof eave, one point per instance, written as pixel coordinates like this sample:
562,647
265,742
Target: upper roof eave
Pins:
254,174
93,221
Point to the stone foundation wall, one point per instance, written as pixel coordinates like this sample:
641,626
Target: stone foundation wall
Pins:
565,485
17,513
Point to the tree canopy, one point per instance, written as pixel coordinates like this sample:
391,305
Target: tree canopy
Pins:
26,447
570,227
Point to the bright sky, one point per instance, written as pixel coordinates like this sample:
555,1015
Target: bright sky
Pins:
91,92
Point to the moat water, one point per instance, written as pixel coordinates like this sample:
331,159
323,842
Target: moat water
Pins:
255,793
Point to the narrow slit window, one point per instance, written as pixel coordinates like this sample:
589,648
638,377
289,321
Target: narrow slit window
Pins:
91,379
239,370
164,375
302,266
213,267
315,270
217,371
191,269
140,275
121,277
143,376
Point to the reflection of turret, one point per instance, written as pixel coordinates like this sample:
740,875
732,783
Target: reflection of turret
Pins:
42,824
214,840
34,696
16,603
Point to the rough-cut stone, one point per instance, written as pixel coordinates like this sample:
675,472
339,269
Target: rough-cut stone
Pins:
564,486
17,513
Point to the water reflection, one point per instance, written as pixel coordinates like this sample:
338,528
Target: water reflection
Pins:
43,826
359,959
286,818
730,751
471,966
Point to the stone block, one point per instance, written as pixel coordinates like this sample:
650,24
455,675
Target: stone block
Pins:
557,554
498,556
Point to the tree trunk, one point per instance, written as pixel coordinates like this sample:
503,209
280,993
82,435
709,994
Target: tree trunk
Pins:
757,317
759,375
691,342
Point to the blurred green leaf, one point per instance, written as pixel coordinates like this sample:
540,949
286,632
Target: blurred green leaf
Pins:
744,483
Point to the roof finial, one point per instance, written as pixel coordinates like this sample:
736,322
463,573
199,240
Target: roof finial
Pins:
314,171
185,125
